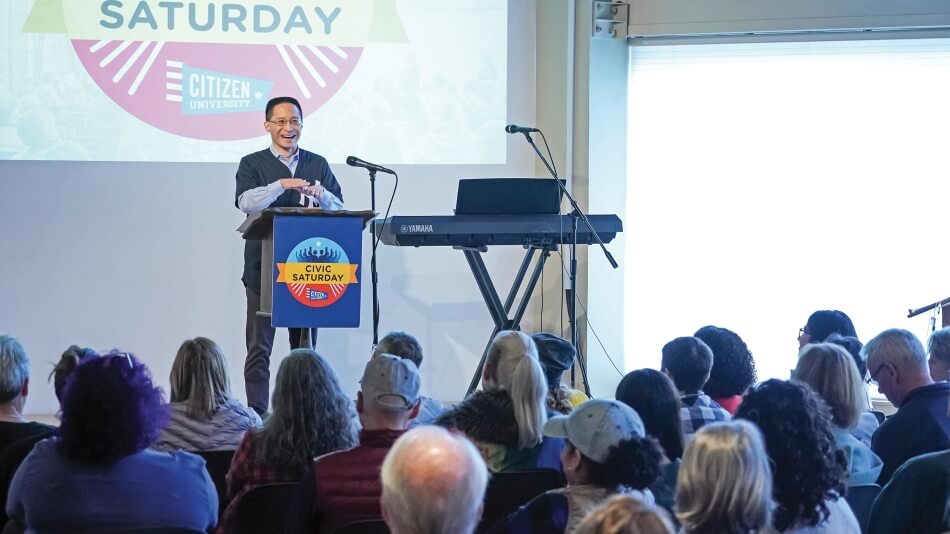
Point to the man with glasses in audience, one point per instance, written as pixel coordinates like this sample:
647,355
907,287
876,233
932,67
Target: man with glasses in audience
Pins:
898,366
282,175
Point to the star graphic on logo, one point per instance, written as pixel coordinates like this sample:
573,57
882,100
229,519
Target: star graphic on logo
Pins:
318,244
258,95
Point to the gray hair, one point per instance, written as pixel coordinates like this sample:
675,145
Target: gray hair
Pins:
939,344
401,344
514,358
14,368
199,378
725,483
898,347
433,483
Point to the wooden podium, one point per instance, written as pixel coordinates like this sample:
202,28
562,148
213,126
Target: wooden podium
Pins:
317,255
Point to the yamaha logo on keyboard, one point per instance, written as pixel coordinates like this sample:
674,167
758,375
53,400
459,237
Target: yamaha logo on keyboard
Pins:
416,228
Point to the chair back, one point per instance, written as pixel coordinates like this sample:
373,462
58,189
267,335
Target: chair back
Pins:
264,509
375,526
508,491
860,499
217,463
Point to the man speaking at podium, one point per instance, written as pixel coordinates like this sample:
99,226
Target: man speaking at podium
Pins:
284,176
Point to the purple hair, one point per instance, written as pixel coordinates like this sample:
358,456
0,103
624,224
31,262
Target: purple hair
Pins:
111,409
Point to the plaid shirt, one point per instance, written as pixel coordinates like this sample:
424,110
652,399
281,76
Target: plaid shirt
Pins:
697,410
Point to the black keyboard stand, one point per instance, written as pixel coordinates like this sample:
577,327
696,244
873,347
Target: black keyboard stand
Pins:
499,312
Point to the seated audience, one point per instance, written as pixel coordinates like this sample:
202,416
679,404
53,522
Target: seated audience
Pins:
344,487
733,369
556,356
939,348
687,361
14,388
822,324
898,366
204,415
867,422
99,473
831,372
606,453
725,483
626,514
311,417
808,470
407,347
433,482
651,394
507,418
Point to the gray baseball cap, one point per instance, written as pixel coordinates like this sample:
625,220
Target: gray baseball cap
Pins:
595,426
390,383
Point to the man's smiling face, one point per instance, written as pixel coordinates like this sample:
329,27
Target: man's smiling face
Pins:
284,127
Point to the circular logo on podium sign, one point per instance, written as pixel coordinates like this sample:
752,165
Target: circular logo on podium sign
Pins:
317,272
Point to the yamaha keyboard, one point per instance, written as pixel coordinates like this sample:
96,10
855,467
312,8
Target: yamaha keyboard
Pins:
478,231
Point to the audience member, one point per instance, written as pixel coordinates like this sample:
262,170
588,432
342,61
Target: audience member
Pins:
311,417
867,422
822,324
204,415
14,388
99,473
687,361
808,469
939,348
556,355
898,366
652,395
344,486
626,514
606,453
831,372
507,418
725,483
433,482
407,347
733,370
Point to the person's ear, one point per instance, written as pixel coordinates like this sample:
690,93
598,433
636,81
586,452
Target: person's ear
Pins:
359,402
25,390
572,459
415,410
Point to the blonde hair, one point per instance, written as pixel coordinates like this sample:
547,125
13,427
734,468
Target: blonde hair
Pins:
725,483
625,514
513,361
830,370
199,378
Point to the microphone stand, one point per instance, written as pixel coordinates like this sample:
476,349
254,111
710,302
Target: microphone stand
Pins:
372,262
576,214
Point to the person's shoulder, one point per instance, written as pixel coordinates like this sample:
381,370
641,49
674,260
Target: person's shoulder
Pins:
311,156
255,157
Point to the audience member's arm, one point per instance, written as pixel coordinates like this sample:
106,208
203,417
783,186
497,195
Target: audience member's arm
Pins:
545,513
237,474
898,507
303,511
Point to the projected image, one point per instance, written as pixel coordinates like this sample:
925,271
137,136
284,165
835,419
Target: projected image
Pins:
414,81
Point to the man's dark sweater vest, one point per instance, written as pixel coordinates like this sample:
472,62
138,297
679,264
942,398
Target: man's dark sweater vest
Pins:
261,169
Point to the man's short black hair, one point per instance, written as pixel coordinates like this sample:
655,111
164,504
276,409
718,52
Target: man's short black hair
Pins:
400,344
276,101
688,360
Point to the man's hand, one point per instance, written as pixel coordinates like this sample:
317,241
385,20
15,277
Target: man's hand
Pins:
315,191
294,183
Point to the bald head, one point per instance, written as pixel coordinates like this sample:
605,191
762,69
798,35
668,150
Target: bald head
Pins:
433,483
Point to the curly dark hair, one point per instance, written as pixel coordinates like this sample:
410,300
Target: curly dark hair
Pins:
652,395
111,409
733,370
808,468
634,463
853,345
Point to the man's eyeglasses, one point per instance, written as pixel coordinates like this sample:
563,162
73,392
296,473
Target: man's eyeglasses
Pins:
802,332
871,381
284,122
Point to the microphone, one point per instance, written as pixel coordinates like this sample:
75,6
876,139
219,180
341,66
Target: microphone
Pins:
513,128
354,161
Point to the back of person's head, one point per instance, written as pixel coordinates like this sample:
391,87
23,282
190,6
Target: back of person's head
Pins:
939,348
512,365
433,482
897,347
688,361
853,345
276,101
606,446
111,409
199,378
830,371
733,370
389,392
724,485
68,362
14,369
625,514
311,414
400,344
823,323
555,354
652,395
808,468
